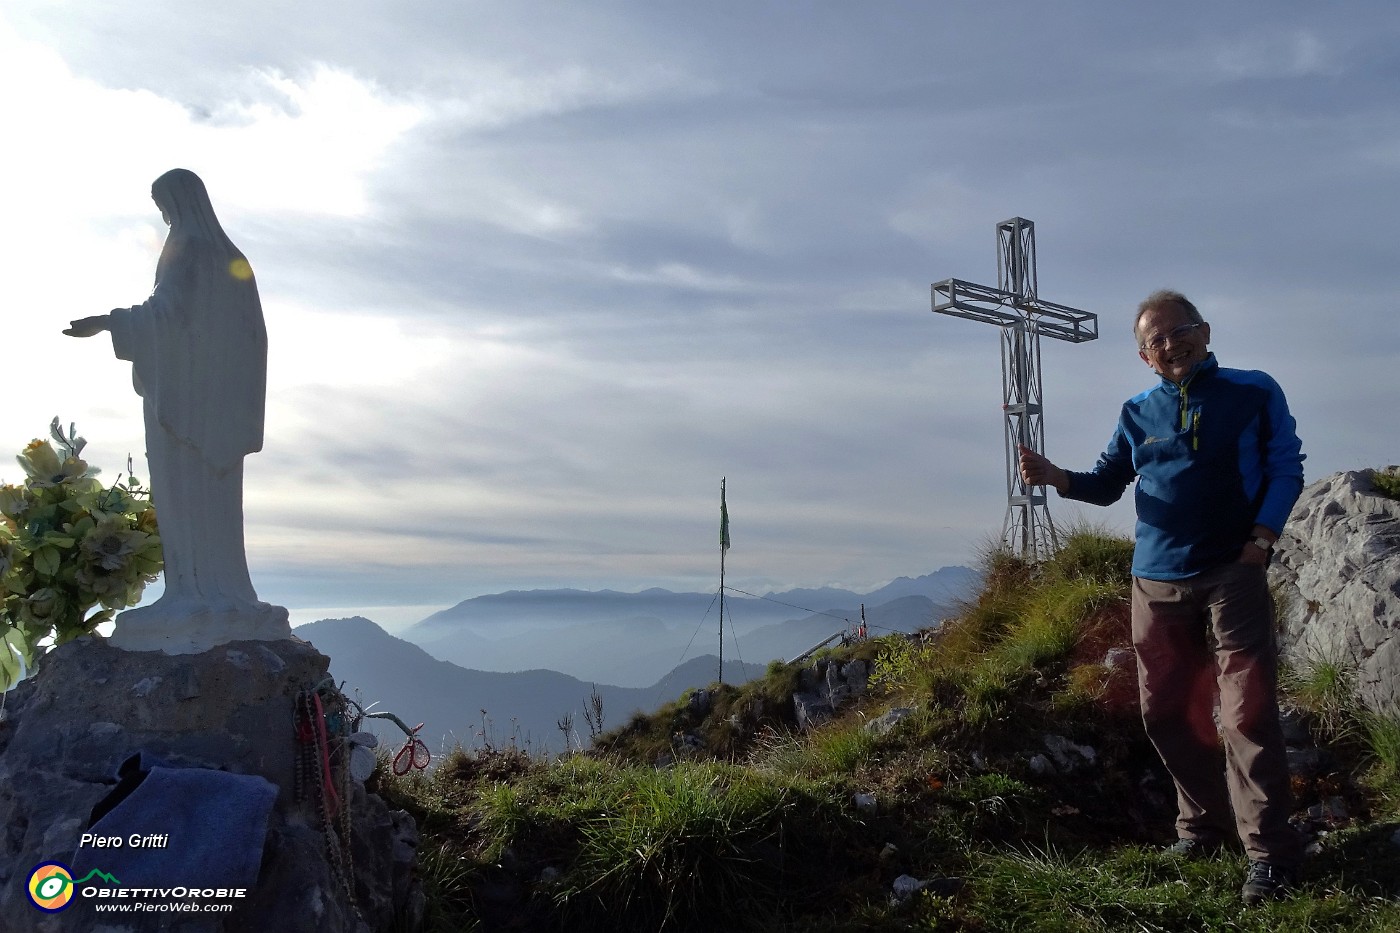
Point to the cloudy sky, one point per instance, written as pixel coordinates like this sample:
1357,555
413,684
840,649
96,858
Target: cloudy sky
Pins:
537,275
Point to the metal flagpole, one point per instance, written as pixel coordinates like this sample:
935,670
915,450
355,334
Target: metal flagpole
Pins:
723,549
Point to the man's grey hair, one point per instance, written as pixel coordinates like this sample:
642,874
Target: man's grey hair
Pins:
1162,298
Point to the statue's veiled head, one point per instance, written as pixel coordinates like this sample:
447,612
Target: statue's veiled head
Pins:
184,203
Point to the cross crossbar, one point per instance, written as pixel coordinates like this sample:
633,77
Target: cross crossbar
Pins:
995,306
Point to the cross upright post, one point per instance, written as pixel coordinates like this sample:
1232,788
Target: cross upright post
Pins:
1017,309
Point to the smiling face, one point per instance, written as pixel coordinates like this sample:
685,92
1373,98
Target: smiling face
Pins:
1183,346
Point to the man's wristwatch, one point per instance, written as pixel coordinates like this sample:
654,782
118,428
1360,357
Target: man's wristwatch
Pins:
1262,543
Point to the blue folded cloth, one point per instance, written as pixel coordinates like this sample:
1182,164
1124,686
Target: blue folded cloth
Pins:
179,827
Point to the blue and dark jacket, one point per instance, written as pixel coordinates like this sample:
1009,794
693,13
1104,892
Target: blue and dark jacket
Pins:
1213,457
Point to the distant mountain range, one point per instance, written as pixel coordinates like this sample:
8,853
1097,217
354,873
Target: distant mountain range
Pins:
634,639
511,666
471,707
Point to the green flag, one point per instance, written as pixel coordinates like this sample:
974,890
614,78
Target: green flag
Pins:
723,520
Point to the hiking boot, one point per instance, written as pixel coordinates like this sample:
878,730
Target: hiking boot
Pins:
1265,882
1193,849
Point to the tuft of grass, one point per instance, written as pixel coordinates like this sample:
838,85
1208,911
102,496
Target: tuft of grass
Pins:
677,843
447,876
1052,618
697,845
1086,684
1382,733
1092,552
836,749
1136,889
1387,482
1326,689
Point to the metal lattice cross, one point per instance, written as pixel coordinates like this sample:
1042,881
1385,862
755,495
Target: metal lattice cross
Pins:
1015,307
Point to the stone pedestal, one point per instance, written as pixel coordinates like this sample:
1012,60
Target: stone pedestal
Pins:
174,628
91,706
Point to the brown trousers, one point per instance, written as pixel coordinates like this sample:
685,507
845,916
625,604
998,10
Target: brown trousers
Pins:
1206,637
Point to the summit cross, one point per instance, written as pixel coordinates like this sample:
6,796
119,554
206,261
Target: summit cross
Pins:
1022,316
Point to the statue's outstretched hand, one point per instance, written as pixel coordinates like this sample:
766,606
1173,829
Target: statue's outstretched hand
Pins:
87,327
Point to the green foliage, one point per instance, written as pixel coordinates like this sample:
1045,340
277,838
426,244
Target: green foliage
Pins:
899,663
1387,482
67,545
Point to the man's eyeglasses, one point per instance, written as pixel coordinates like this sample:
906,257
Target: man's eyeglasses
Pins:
1176,333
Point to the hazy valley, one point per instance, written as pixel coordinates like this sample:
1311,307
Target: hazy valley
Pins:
528,659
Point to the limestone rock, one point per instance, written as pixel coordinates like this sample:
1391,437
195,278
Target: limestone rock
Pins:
893,717
824,686
1338,568
811,710
91,706
1067,755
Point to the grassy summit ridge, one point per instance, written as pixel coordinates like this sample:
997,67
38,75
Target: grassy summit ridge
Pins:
1018,787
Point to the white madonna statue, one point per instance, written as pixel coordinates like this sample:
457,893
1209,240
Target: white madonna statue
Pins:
198,352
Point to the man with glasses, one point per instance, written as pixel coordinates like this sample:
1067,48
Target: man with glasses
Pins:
1219,466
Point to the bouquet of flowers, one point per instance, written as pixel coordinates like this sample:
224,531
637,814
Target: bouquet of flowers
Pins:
68,544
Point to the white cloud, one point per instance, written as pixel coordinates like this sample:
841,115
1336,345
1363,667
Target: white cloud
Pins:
490,95
1252,52
304,145
1273,54
329,349
679,275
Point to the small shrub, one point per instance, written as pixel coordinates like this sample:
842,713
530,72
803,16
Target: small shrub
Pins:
899,664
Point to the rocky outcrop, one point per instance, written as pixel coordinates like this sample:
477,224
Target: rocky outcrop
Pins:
1337,567
230,710
824,686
